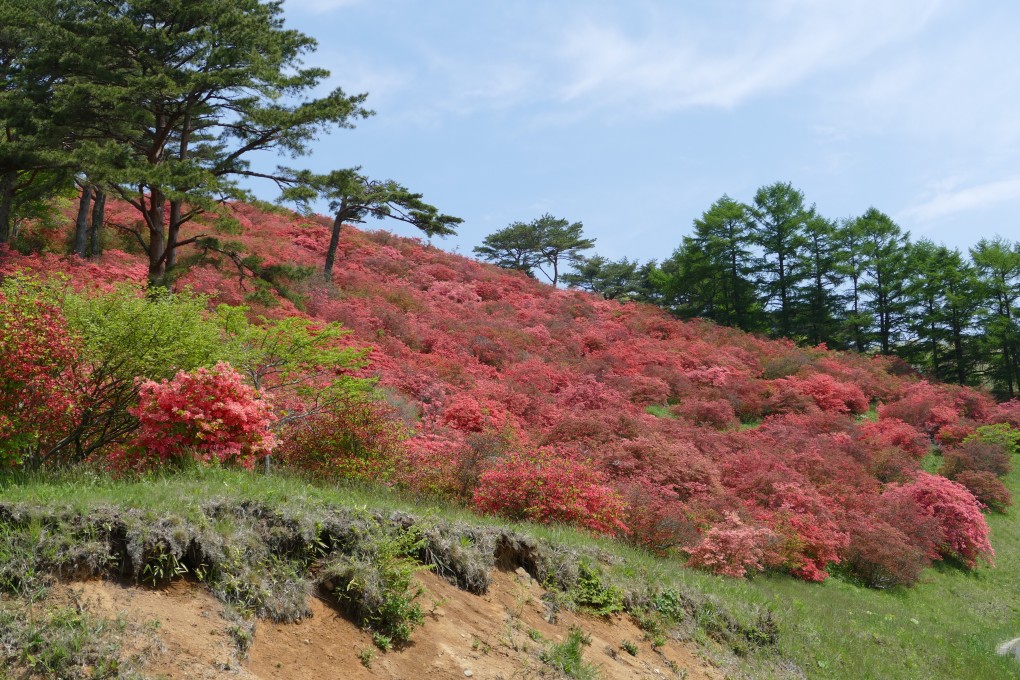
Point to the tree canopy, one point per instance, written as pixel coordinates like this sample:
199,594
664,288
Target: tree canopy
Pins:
546,244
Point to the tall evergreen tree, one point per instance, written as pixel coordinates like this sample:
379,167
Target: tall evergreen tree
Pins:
850,266
819,308
194,88
778,218
884,246
720,253
545,244
942,303
998,268
613,280
33,164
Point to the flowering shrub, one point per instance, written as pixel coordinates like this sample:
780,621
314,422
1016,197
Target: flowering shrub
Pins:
829,394
732,548
37,351
717,413
430,465
924,406
357,439
987,488
951,435
892,432
881,556
656,517
976,456
1008,412
541,486
962,530
209,414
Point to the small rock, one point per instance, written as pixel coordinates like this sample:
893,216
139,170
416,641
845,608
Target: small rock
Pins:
1011,648
523,573
468,673
307,641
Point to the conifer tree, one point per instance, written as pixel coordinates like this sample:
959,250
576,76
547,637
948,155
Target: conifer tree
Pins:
884,246
352,197
192,90
778,217
998,269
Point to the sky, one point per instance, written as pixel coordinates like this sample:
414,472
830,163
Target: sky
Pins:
634,117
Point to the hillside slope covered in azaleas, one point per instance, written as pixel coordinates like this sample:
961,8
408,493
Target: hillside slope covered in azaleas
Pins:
554,405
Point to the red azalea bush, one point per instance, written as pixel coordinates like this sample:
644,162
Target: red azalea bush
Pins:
882,556
962,530
37,353
210,414
542,486
358,439
925,406
954,434
1008,412
987,488
829,394
431,463
732,548
892,432
976,456
717,413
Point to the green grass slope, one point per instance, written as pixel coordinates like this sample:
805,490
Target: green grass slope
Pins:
946,627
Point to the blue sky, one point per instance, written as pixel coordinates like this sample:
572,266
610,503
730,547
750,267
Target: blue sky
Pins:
634,117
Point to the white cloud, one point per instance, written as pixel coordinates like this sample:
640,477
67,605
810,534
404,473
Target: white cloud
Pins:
960,200
319,6
673,65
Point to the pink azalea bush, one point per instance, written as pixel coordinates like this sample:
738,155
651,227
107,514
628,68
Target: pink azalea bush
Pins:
210,414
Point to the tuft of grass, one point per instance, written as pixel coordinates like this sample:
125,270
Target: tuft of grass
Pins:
567,656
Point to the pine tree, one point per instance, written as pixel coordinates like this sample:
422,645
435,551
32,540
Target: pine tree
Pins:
819,305
998,269
884,247
778,218
191,90
352,197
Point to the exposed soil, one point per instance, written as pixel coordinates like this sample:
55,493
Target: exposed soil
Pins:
497,635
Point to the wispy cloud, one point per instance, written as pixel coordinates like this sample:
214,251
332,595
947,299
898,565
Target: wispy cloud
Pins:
319,6
960,200
673,65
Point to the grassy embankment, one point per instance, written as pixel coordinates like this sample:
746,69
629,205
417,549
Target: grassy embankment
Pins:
945,627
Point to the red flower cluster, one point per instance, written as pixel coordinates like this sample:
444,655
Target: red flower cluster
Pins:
208,414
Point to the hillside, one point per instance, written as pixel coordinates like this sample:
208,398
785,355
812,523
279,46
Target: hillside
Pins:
704,444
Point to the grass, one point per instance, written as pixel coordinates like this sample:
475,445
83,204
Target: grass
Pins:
567,656
59,643
945,627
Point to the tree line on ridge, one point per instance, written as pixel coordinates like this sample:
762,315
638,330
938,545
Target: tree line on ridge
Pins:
777,267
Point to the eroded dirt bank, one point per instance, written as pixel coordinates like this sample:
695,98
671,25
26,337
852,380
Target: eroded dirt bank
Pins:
180,632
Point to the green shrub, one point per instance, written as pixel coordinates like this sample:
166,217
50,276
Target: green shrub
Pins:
592,594
376,584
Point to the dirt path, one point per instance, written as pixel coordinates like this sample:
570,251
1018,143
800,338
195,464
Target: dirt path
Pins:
499,635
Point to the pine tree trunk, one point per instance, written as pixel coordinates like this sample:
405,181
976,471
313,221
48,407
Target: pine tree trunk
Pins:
95,245
334,242
157,237
81,222
7,183
173,231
